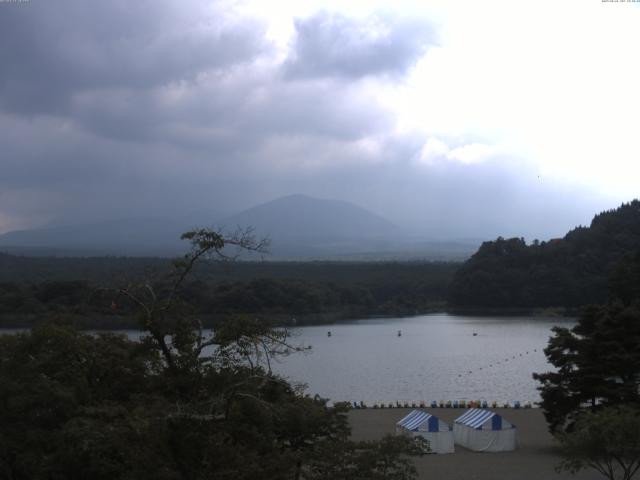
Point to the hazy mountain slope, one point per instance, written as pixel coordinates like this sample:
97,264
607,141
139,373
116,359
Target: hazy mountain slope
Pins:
303,217
300,227
304,227
118,237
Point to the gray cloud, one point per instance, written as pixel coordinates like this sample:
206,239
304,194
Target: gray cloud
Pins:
52,50
220,114
86,177
451,200
162,72
334,45
121,109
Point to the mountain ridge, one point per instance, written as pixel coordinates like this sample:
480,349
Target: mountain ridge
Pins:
300,228
301,216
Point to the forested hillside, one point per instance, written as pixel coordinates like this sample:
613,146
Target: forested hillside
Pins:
569,272
503,274
34,288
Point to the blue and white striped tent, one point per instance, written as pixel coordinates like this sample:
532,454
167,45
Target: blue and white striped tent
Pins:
484,431
430,427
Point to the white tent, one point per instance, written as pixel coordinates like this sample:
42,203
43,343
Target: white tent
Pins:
484,431
430,427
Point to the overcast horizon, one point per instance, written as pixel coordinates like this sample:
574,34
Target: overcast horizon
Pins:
452,120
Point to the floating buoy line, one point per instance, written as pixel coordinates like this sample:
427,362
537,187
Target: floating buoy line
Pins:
500,362
455,403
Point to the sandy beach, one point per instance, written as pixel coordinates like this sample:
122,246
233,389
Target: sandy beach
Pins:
534,459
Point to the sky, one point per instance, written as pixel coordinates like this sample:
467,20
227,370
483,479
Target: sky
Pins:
453,119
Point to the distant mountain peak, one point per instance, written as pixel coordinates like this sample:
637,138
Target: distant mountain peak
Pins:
304,200
301,227
301,216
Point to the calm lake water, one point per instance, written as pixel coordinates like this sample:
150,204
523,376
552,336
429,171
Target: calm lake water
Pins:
437,357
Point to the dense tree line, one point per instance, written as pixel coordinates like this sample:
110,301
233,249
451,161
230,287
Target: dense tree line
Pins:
308,292
109,269
569,272
506,273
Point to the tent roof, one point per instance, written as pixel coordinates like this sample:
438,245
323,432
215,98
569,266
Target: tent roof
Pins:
475,417
415,420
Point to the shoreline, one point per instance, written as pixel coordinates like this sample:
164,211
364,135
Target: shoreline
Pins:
106,322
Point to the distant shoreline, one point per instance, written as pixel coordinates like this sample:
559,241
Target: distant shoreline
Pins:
515,311
115,322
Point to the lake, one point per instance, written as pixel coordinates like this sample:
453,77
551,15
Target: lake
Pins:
436,358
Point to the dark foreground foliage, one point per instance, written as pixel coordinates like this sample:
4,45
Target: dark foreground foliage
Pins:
607,441
80,406
179,404
592,400
598,360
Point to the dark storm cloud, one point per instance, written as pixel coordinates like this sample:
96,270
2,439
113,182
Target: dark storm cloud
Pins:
183,73
51,50
334,45
220,115
120,108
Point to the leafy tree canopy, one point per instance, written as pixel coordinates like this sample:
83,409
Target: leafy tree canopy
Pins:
179,404
607,441
598,360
